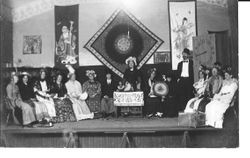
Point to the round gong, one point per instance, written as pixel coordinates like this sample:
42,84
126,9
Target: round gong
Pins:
160,88
123,41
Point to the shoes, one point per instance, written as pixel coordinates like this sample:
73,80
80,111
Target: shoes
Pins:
159,114
150,115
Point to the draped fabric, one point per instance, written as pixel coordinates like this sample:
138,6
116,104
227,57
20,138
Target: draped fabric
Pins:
66,33
122,36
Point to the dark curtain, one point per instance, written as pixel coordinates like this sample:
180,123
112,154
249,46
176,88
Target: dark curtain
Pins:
233,18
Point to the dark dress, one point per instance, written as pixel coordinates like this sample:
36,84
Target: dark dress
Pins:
170,107
152,103
133,77
63,106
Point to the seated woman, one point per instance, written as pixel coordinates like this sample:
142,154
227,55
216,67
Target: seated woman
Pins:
200,89
74,90
213,87
221,101
27,95
63,105
153,106
42,90
132,75
13,94
93,89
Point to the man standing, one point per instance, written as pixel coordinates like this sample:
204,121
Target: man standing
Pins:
185,79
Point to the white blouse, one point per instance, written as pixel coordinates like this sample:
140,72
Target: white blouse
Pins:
74,88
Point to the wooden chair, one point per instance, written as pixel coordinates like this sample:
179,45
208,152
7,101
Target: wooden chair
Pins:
10,110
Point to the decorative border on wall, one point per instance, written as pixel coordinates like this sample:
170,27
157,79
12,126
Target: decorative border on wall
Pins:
40,6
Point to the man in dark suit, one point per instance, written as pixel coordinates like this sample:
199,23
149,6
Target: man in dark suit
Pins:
107,102
185,79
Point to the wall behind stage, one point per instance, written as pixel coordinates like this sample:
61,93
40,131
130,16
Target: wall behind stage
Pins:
92,15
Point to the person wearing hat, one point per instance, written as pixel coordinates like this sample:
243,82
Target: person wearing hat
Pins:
185,79
93,89
107,102
13,94
77,97
27,95
132,75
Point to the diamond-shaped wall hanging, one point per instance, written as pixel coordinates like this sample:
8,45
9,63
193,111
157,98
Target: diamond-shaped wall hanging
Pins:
121,36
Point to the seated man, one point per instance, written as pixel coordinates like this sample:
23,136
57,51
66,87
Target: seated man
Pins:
107,102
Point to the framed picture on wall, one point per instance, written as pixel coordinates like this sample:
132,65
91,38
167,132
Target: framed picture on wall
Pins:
32,44
162,57
183,27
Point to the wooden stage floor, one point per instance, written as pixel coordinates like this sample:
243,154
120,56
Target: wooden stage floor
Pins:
129,124
118,132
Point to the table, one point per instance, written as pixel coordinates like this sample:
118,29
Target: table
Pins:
129,102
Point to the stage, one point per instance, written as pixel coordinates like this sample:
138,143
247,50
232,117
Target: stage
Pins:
117,132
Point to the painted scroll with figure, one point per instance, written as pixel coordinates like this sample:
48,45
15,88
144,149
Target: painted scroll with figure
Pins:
182,16
66,30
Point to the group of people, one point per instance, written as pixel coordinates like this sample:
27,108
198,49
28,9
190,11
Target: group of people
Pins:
213,94
47,103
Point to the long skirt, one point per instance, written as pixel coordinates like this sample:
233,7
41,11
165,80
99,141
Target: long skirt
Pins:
190,108
94,104
215,113
107,105
196,104
64,111
40,109
27,112
49,103
152,105
170,107
81,109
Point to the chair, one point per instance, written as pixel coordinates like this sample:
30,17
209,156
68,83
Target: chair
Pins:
10,110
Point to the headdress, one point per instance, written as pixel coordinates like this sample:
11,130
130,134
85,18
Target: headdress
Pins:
90,72
131,59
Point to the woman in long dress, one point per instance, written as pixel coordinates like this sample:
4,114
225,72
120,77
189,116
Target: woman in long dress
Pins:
153,105
213,87
74,90
132,75
27,95
42,90
13,95
63,105
216,108
93,89
200,89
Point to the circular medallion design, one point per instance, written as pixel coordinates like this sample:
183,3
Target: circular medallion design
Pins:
123,44
119,46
